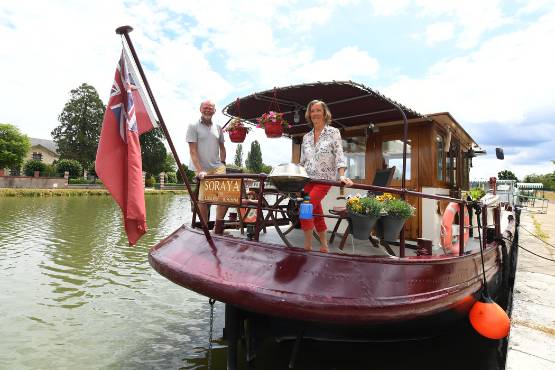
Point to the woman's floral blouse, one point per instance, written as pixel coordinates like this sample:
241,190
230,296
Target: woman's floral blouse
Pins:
322,160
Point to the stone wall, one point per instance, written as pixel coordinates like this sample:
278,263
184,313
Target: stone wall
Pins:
28,182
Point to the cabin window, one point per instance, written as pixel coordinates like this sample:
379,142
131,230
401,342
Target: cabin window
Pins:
355,151
466,171
452,165
392,153
440,155
37,156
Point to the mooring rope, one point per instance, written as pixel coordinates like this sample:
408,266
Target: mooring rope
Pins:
211,302
537,237
529,251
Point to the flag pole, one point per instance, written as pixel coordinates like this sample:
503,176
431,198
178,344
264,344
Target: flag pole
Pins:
124,30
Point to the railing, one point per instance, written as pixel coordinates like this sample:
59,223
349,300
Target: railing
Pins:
401,192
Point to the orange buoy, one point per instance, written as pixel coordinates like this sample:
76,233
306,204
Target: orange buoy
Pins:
489,319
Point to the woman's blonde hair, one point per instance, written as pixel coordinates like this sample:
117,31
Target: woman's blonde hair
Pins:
327,113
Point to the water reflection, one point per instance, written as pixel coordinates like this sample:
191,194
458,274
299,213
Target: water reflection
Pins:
73,294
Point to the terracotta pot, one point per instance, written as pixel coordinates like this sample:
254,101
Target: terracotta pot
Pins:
273,129
238,134
361,225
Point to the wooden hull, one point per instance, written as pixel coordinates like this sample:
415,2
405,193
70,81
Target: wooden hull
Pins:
342,290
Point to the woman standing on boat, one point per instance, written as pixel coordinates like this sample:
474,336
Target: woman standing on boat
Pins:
323,158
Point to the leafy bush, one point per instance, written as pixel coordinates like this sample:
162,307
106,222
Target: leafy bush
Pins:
79,181
33,165
368,206
72,166
50,170
92,170
190,175
150,181
398,208
171,177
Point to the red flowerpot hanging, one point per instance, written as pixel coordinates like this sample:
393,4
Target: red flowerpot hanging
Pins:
237,130
238,134
235,127
273,129
272,121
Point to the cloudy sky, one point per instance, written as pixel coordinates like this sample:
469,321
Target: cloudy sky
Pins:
489,63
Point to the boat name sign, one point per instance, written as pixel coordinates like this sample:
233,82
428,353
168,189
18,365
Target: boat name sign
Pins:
220,191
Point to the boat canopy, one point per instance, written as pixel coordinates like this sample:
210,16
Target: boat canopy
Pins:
352,104
529,185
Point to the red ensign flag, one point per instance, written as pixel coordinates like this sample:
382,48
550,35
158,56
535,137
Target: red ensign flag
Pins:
118,158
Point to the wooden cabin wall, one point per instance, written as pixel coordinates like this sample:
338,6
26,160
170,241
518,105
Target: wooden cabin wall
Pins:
296,151
422,147
426,150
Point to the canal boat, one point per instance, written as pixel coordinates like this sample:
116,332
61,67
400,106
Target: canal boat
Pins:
373,289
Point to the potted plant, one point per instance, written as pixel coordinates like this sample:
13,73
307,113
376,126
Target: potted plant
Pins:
363,212
237,130
397,212
272,123
476,193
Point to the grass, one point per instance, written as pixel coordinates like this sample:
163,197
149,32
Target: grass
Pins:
550,195
11,192
538,229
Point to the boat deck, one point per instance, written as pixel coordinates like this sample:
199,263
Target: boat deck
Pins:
352,246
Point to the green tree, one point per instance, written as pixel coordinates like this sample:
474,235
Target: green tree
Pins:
189,173
548,180
254,158
70,165
506,175
33,165
266,168
80,122
169,164
238,161
171,178
14,146
153,152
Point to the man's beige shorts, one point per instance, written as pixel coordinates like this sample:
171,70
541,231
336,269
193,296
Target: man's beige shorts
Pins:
215,171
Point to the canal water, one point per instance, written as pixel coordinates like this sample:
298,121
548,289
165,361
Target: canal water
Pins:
74,295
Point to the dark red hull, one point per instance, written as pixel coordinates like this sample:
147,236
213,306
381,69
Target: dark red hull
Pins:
328,288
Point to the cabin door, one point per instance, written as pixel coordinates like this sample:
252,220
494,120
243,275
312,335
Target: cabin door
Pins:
387,151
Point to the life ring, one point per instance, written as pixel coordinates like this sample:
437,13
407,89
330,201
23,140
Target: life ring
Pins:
447,229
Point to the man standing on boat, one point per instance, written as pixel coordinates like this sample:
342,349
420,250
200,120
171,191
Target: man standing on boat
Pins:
207,150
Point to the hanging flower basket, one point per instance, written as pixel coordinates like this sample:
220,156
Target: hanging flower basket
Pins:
273,130
237,130
238,135
272,123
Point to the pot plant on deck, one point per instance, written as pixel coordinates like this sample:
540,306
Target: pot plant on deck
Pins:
397,212
363,212
272,123
237,130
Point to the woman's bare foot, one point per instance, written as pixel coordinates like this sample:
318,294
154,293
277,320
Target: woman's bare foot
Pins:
308,248
324,249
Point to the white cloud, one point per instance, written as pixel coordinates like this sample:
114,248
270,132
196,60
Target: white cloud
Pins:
506,80
223,49
439,32
389,7
473,19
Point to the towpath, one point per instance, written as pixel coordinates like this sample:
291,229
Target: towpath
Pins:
532,338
